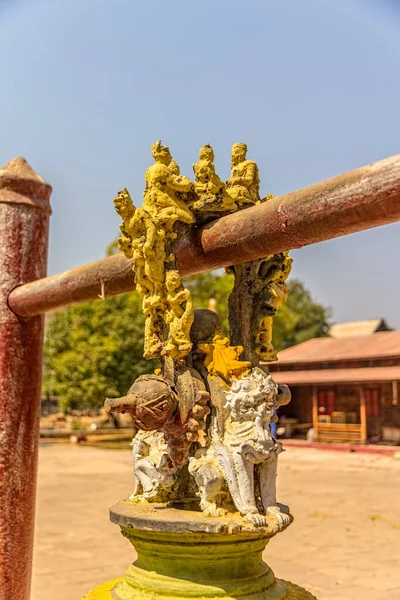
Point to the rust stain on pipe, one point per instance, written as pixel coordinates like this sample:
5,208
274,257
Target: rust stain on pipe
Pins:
358,200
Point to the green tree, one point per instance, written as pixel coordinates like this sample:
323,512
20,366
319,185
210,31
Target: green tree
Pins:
95,350
300,318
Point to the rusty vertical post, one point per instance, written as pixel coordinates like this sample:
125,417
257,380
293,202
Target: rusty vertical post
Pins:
24,224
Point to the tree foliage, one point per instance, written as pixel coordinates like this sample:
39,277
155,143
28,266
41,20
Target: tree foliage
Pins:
95,350
300,318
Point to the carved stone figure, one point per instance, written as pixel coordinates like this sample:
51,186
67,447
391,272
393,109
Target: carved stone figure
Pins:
272,292
244,184
178,413
243,453
161,195
154,472
259,291
179,316
210,191
153,329
149,236
124,207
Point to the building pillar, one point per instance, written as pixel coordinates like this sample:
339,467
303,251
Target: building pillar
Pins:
315,411
363,417
395,399
24,223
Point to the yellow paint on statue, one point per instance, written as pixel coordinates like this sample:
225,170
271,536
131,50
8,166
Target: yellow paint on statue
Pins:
145,234
148,234
277,293
223,360
179,316
211,192
244,184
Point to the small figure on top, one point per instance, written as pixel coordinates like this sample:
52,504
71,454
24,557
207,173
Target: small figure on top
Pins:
244,184
210,190
164,184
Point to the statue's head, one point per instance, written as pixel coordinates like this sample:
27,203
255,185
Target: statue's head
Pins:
123,203
239,151
172,280
251,390
161,153
206,153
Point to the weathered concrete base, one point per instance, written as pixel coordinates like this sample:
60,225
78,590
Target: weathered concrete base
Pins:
184,555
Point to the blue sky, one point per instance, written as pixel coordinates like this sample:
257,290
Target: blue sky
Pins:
312,86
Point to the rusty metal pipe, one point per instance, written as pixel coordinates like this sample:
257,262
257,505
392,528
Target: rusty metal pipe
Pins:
100,279
358,200
24,227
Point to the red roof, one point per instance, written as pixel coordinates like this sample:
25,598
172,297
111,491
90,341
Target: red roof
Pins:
367,375
376,345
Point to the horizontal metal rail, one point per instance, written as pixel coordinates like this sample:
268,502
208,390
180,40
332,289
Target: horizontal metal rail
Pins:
358,200
100,279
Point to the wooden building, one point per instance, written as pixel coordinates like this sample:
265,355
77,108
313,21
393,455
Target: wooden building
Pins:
345,388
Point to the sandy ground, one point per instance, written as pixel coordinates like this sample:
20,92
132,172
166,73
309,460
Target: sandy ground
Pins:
343,545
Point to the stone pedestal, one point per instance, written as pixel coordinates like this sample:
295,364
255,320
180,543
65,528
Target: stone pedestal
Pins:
184,555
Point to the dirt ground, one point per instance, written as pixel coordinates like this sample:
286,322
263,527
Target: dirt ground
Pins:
343,545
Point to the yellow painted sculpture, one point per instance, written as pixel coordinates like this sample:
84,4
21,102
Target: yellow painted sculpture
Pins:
223,360
163,185
274,295
149,235
179,316
211,193
244,184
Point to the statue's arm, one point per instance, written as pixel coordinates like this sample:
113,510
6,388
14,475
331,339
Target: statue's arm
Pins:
124,206
249,175
215,184
189,301
179,183
184,297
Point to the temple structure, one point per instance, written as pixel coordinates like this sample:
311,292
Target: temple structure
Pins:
345,386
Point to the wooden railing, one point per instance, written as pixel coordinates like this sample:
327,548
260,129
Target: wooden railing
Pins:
340,433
